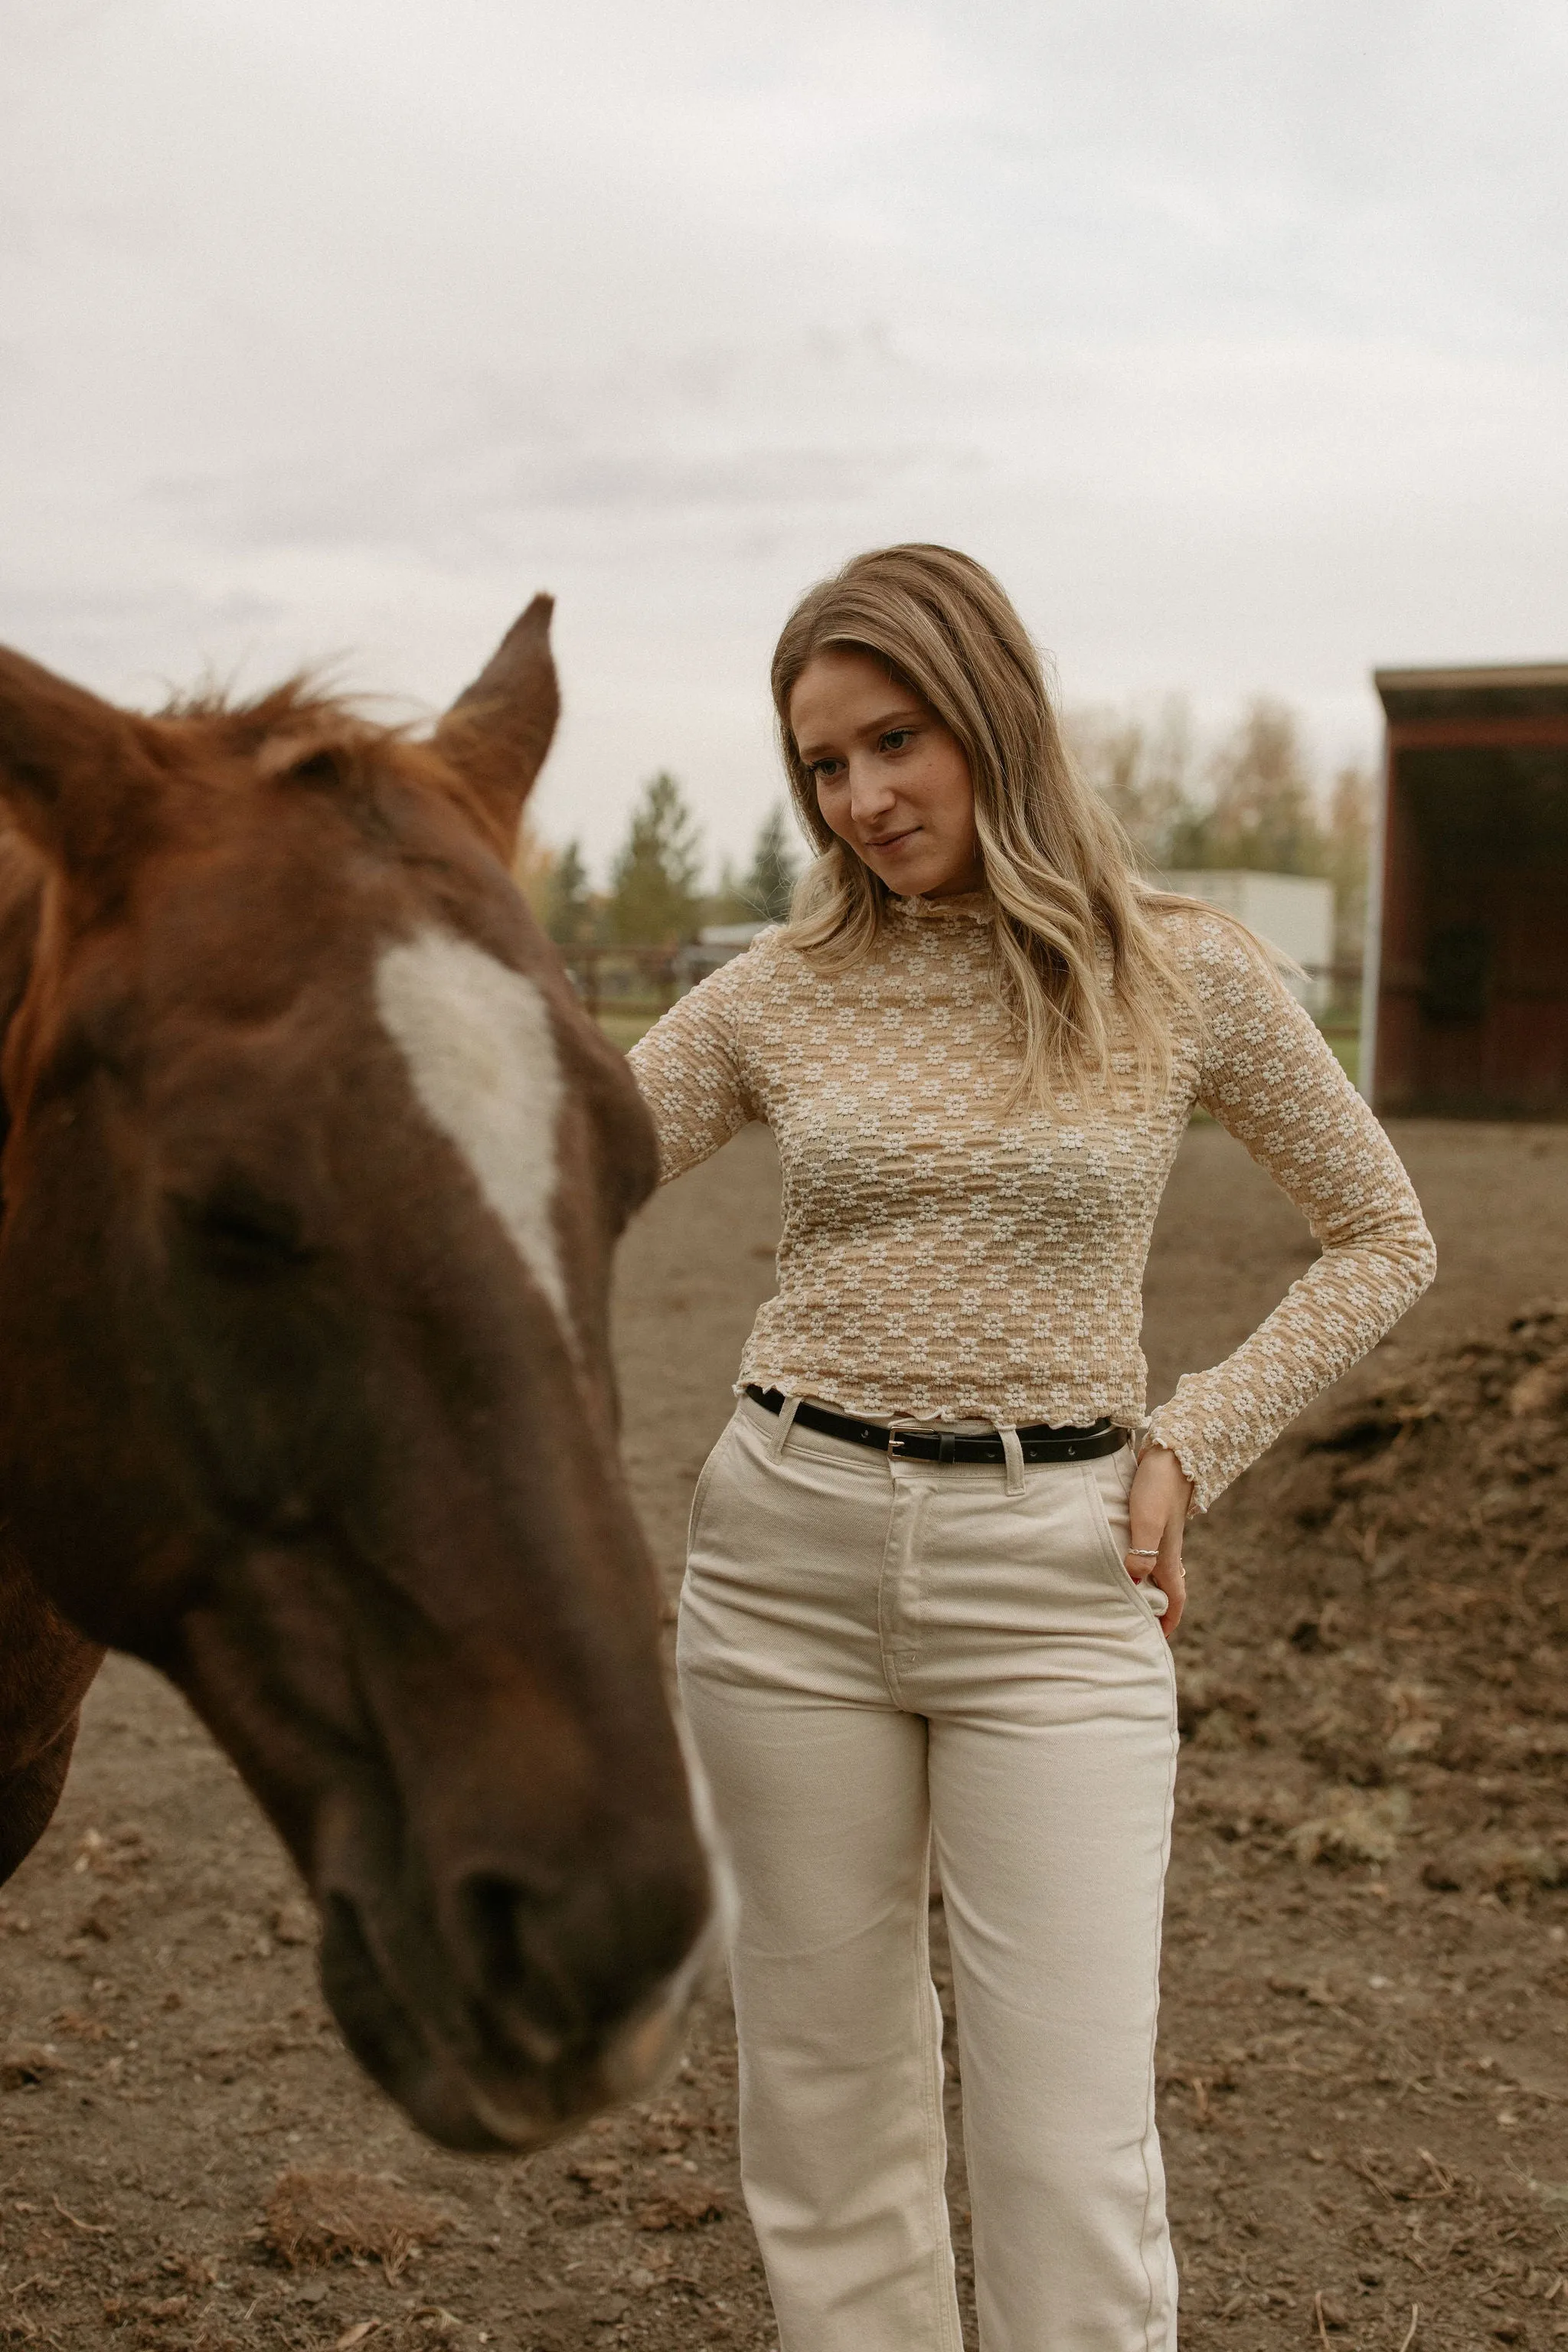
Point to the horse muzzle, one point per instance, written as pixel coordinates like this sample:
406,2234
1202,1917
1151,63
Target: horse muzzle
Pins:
517,2011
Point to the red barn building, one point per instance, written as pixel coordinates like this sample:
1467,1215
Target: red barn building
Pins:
1464,1010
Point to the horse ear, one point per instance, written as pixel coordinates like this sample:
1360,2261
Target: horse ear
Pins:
498,729
73,769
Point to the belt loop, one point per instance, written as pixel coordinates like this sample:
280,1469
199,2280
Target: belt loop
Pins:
1015,1454
779,1437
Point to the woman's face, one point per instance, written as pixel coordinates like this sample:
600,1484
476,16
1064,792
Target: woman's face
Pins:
890,779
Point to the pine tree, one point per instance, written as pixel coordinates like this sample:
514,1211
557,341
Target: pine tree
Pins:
654,895
775,869
728,902
569,908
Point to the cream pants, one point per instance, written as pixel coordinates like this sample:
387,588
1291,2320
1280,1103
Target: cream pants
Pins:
878,1658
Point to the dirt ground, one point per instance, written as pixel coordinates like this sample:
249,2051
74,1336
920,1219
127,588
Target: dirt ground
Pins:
1364,2041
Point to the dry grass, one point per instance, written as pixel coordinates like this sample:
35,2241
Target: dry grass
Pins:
322,2217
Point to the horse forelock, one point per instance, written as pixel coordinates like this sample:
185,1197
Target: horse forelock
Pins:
299,702
301,731
208,740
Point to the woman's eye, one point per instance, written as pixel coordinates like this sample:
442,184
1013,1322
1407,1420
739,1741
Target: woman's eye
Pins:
895,739
824,771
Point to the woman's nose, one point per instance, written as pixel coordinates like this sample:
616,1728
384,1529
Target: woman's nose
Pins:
871,797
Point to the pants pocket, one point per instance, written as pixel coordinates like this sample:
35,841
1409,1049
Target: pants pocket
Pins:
705,1480
1110,1482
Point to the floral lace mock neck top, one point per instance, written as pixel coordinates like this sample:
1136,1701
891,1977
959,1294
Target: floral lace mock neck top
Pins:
947,1255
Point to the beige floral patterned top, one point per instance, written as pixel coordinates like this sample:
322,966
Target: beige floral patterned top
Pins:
946,1257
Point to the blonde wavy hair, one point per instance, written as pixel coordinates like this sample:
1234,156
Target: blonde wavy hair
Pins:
1058,867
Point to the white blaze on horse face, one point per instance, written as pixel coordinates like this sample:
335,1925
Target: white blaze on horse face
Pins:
477,1038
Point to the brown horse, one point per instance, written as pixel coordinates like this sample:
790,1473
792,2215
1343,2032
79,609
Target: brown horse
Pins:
313,1174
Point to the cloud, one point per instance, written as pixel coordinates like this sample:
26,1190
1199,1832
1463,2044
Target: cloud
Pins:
456,510
1230,336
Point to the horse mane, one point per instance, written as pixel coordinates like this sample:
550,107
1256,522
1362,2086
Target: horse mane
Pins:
304,707
304,731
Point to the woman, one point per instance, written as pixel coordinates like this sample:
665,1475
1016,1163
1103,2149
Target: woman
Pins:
936,1557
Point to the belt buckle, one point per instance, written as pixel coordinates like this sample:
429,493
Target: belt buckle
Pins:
895,1441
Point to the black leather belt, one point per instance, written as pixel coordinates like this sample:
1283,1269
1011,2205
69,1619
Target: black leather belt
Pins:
1040,1443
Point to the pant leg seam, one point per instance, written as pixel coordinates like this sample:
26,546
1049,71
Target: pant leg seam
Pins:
943,2279
1151,2122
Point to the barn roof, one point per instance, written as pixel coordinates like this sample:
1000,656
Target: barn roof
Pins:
1504,691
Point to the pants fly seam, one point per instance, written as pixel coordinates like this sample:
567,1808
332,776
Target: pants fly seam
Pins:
905,1511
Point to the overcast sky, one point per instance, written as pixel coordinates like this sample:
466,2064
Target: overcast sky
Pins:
1230,332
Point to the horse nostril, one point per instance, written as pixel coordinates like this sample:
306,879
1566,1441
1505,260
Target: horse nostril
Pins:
499,1916
565,1966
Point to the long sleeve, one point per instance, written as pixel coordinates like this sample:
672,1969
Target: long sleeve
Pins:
691,1069
1267,1074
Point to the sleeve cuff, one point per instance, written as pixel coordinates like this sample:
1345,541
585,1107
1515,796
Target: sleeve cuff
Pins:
1190,1466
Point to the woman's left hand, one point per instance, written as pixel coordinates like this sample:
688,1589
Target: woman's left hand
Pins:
1157,1507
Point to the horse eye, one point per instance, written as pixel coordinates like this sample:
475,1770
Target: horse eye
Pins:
243,1231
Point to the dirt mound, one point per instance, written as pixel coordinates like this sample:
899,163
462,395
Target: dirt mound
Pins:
1361,2037
1403,1570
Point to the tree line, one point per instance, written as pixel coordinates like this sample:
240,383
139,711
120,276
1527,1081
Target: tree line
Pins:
1248,799
656,896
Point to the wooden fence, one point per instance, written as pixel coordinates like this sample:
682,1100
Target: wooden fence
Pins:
624,980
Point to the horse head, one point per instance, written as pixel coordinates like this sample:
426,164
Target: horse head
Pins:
314,1173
